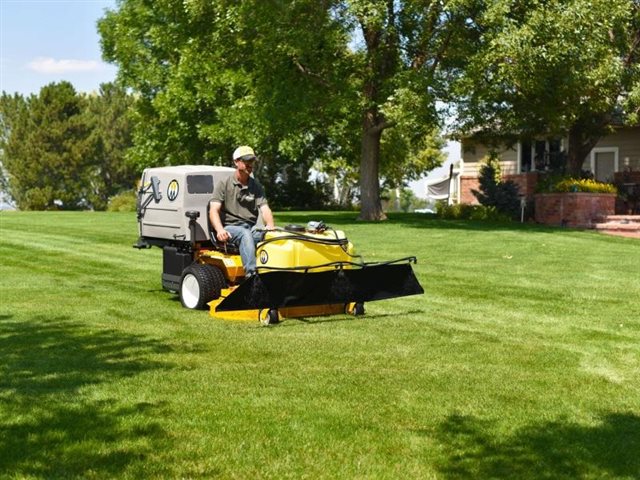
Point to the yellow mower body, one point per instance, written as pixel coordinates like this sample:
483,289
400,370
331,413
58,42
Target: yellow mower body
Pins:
281,250
284,250
229,264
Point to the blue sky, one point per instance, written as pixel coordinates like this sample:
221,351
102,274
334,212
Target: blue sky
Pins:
44,41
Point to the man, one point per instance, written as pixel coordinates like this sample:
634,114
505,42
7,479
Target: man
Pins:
240,199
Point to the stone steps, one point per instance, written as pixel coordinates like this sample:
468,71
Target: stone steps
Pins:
622,225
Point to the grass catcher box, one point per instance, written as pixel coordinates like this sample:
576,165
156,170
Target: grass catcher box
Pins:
167,193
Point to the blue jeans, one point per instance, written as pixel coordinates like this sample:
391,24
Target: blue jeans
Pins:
246,237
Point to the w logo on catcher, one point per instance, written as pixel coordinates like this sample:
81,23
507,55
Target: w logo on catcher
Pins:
172,190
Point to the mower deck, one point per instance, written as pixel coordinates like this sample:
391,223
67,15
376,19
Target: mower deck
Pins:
262,314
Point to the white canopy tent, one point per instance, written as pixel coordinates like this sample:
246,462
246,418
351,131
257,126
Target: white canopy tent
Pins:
445,188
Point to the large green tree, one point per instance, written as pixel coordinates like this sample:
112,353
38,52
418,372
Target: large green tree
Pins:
47,148
553,67
64,150
330,78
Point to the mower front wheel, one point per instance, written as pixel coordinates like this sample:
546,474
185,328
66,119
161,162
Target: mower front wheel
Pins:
200,284
355,309
269,317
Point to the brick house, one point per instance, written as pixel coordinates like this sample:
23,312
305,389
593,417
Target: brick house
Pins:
615,156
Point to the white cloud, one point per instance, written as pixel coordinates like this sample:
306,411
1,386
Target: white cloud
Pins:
51,65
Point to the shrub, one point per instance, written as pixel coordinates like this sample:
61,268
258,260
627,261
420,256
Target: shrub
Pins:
494,192
547,183
457,211
123,202
584,185
559,184
463,211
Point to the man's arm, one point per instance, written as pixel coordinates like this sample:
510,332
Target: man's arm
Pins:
214,217
267,217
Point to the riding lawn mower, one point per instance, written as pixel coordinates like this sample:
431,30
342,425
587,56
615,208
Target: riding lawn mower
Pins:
303,270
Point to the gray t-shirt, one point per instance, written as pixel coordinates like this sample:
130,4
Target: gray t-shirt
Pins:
240,204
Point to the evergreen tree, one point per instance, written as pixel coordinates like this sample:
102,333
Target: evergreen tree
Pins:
494,192
62,150
47,150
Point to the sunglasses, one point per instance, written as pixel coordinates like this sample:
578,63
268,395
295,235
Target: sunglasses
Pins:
247,158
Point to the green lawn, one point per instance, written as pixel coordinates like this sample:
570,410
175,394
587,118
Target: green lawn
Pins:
520,361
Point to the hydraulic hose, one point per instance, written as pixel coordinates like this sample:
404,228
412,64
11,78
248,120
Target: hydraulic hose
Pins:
340,265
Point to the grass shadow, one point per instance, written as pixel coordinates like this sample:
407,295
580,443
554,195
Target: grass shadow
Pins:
48,426
550,450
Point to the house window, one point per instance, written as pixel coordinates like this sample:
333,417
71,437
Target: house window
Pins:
541,155
556,154
525,157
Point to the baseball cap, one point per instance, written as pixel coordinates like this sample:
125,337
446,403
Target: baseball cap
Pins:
244,153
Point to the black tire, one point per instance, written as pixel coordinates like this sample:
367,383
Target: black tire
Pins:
358,309
272,317
219,282
199,285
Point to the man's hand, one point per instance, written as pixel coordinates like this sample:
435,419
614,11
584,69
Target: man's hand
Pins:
214,217
223,236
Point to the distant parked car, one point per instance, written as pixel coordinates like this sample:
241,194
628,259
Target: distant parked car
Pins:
424,210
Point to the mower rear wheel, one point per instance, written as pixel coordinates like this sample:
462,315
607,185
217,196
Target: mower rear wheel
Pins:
219,282
200,284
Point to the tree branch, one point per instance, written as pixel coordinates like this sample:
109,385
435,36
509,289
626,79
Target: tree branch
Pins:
382,126
633,50
305,71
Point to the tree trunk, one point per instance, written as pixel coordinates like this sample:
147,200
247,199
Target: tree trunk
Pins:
580,144
382,59
370,205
